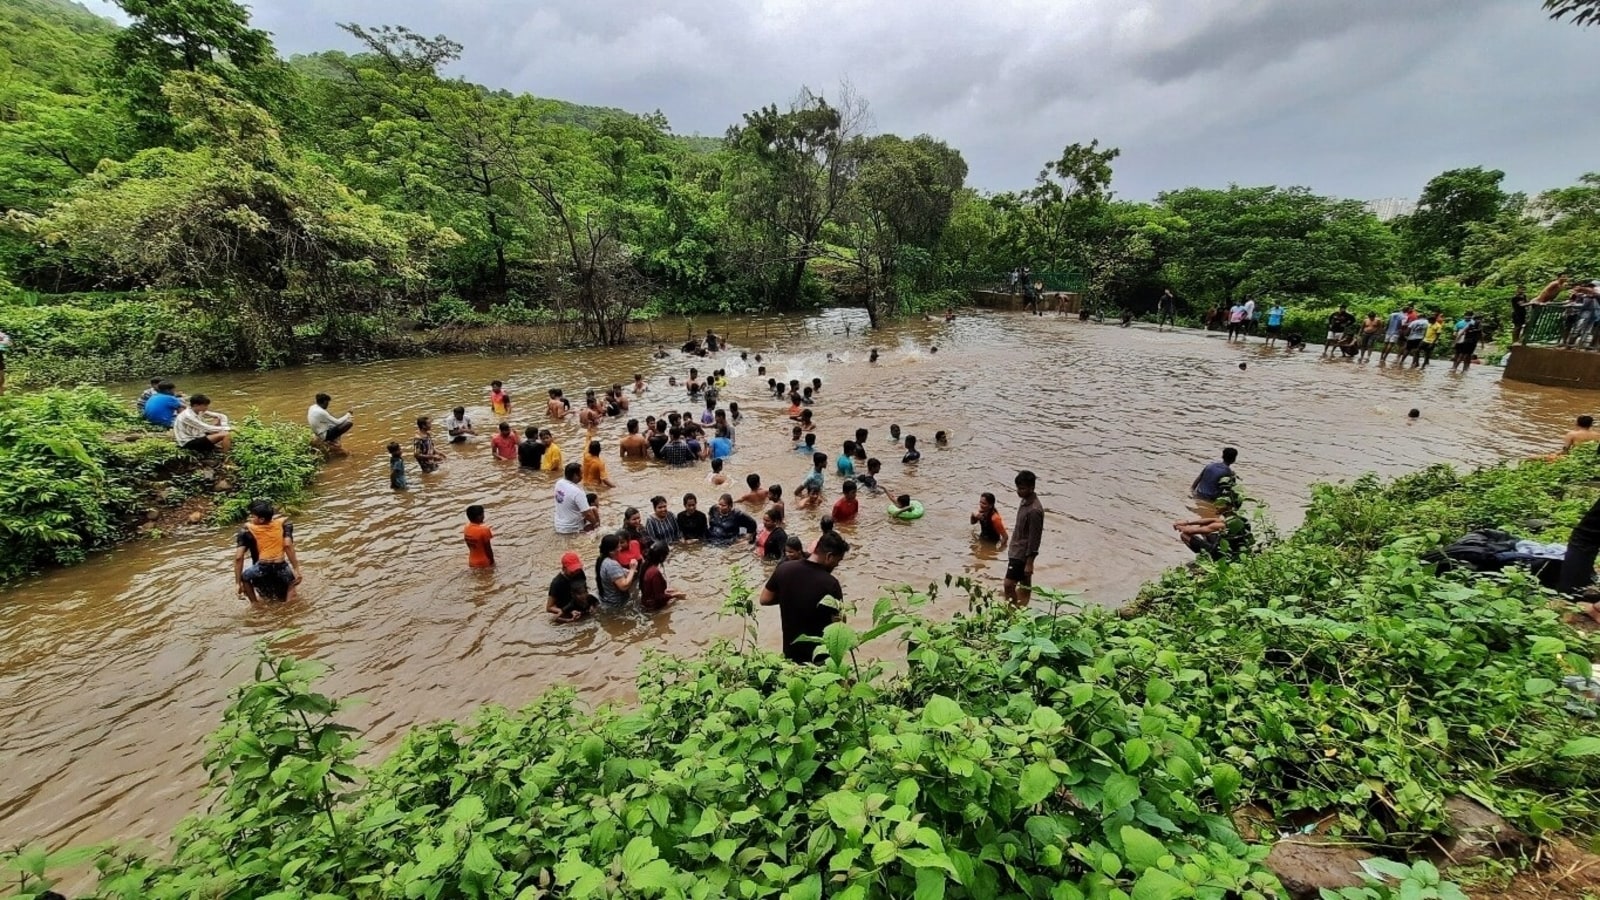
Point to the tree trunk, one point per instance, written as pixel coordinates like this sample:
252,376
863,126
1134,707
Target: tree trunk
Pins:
789,297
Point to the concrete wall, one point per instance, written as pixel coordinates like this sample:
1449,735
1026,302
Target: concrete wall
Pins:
1057,301
1553,367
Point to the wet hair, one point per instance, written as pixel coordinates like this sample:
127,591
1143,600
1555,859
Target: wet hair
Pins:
826,524
805,415
1229,454
544,434
816,383
849,486
940,437
594,448
459,411
260,509
775,513
987,498
832,544
608,545
811,439
903,501
531,433
794,543
324,399
505,427
690,498
805,392
716,465
894,430
762,370
849,448
422,421
1417,414
199,400
494,384
753,480
911,441
820,460
633,426
592,498
656,553
1585,421
874,464
1026,479
573,471
861,435
1243,366
475,514
733,410
554,393
796,431
727,498
393,448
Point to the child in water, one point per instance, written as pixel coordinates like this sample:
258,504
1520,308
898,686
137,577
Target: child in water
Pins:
428,458
716,476
810,490
397,468
870,480
480,554
912,453
940,439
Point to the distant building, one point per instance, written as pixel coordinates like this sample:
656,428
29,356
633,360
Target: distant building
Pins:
1391,207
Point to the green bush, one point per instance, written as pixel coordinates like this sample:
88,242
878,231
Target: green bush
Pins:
270,461
113,337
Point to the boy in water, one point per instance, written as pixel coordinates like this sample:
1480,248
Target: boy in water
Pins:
775,495
499,400
397,468
459,425
940,439
870,480
551,461
480,555
428,458
274,568
845,465
807,446
757,494
894,434
846,507
912,453
810,490
991,525
716,477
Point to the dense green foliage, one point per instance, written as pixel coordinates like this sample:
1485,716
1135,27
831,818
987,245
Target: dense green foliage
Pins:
1331,677
325,205
80,468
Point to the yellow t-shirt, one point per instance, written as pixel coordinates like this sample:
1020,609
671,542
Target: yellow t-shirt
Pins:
552,458
1433,333
594,470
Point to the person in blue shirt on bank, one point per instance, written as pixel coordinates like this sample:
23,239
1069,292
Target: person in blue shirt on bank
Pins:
1274,322
162,407
1216,478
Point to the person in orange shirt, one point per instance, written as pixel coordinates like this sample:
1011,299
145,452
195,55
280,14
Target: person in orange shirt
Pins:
504,444
846,507
499,400
594,468
480,555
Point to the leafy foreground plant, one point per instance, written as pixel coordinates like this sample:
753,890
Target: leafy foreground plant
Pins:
1331,677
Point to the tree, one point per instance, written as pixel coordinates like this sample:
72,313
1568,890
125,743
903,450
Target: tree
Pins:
1053,224
1251,242
270,239
900,197
1558,232
213,37
1125,263
1431,237
1582,12
791,173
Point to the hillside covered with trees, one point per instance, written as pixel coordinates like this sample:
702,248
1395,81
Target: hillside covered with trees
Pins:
176,195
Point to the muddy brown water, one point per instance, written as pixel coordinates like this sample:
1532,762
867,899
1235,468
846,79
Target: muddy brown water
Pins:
113,672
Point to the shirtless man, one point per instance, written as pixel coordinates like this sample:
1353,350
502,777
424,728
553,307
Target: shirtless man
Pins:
633,444
758,494
1552,290
555,408
591,415
639,385
1583,434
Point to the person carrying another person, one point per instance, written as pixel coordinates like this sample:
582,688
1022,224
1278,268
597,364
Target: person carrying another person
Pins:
274,570
569,599
807,596
161,408
199,430
1226,535
325,426
1217,478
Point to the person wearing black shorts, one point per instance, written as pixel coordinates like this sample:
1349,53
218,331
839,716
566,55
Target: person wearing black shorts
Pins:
1467,338
1025,536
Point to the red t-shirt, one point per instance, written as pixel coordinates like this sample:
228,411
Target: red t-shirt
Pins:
629,552
477,538
505,446
845,509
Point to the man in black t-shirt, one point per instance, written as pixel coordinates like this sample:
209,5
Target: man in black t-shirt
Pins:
798,587
530,453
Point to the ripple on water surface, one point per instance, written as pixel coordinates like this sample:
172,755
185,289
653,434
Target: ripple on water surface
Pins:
115,670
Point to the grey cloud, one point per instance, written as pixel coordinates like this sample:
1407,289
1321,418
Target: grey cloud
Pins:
1361,98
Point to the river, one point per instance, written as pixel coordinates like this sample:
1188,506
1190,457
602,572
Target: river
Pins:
115,671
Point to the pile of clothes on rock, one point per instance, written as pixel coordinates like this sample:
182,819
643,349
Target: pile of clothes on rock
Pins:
1491,550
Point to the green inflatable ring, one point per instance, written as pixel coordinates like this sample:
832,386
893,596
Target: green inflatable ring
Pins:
914,511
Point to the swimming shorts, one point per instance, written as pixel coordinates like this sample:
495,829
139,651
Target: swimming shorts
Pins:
1016,571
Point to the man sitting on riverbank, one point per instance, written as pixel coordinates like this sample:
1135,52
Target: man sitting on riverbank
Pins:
327,427
161,408
198,430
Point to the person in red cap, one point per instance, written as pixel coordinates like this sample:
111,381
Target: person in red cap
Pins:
569,598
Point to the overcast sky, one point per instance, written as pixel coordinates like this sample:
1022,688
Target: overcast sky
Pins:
1356,98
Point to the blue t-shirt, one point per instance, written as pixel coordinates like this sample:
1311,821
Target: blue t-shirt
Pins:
1275,316
1210,486
813,482
845,466
721,448
161,409
1397,321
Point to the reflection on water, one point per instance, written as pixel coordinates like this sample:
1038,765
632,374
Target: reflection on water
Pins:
114,671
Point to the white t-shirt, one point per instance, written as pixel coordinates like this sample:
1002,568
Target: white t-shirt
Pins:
571,504
1249,309
455,424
